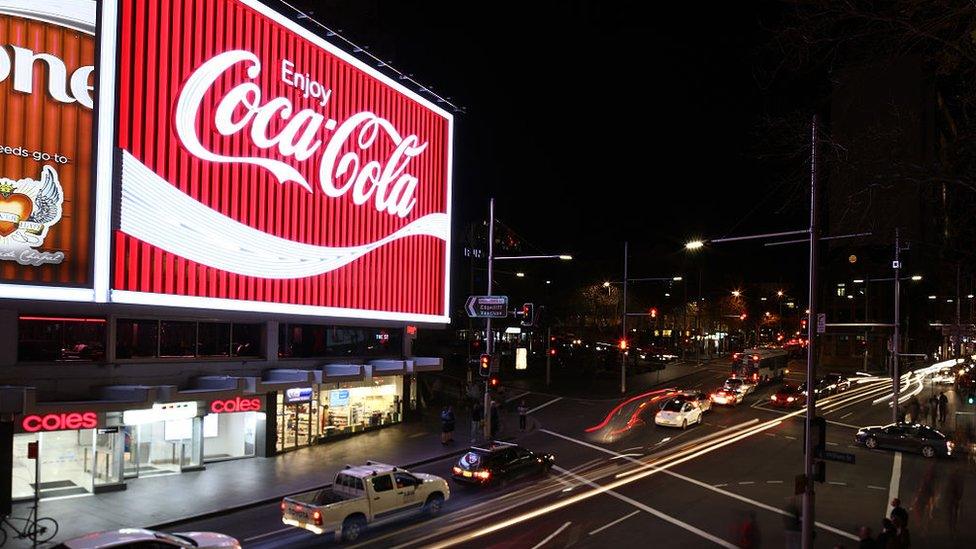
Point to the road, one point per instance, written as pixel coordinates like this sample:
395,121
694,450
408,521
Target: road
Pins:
622,480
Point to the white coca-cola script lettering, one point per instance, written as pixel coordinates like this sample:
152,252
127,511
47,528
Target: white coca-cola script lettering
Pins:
390,185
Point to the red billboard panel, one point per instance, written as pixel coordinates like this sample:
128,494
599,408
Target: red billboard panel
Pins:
47,73
264,169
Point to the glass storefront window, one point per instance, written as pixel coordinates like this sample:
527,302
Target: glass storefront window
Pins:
177,339
351,407
54,339
213,339
298,423
228,436
311,341
137,338
68,464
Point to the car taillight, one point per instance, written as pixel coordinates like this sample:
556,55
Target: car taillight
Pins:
483,475
457,470
755,377
284,506
317,517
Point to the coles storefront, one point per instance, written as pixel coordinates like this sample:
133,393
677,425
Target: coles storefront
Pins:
81,450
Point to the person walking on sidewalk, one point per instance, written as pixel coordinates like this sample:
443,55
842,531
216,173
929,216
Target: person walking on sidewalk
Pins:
522,411
493,416
477,421
943,406
447,425
898,511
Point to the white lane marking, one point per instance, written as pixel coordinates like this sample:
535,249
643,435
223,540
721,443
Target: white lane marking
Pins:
747,482
847,414
789,437
653,511
626,456
774,482
696,482
832,444
552,535
276,532
770,434
415,435
614,523
517,397
634,448
895,482
537,408
721,485
835,483
873,487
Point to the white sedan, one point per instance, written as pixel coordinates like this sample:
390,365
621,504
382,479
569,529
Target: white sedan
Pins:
739,385
943,377
139,537
679,412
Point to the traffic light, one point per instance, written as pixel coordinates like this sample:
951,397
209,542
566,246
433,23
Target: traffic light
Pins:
971,399
528,314
552,352
623,344
493,382
484,365
742,316
653,312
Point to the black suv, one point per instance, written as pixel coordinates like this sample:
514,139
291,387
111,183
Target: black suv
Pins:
499,462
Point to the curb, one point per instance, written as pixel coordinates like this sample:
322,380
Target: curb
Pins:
257,503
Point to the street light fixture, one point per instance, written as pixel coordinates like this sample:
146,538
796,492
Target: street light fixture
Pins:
677,278
931,297
779,293
565,257
606,284
736,293
916,278
858,281
520,274
695,245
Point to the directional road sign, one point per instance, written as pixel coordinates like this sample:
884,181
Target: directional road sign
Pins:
487,306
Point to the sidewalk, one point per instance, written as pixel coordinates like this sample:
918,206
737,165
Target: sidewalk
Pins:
159,500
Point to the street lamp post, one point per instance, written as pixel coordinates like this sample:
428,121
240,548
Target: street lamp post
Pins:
489,346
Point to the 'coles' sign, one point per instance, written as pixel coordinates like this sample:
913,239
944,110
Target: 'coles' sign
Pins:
264,169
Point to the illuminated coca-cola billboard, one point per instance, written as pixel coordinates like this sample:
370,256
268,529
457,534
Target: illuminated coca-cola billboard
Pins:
47,82
263,169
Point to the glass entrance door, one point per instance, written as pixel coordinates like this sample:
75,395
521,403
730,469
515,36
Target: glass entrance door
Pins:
67,461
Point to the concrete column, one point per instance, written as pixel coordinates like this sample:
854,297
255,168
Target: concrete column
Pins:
271,341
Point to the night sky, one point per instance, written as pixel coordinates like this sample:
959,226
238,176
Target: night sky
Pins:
595,122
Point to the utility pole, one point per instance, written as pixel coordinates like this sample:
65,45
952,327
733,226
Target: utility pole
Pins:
490,340
548,353
623,340
957,348
895,347
808,494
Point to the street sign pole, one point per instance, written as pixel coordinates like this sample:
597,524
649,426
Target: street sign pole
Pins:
895,379
808,494
623,344
490,340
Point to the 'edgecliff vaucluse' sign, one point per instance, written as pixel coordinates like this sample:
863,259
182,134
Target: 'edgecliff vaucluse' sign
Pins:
264,169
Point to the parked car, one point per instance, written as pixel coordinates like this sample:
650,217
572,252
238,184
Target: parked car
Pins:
499,462
906,437
679,412
365,495
788,396
140,538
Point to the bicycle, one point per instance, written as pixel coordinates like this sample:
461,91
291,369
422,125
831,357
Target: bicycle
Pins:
46,528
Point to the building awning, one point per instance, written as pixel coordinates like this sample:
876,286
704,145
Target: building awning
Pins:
333,373
417,364
387,367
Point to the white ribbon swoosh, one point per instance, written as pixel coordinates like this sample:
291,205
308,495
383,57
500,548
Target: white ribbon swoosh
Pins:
157,213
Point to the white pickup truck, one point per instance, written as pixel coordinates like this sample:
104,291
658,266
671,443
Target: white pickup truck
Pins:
362,495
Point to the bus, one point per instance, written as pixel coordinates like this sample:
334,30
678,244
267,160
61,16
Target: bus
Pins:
760,365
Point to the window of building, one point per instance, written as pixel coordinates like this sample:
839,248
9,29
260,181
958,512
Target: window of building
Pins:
317,341
177,339
55,339
247,340
137,338
213,339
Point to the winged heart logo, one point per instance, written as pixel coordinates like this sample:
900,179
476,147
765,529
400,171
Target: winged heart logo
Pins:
28,209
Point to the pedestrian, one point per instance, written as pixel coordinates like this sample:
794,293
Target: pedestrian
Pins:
493,427
898,511
902,539
943,406
447,425
866,541
749,536
933,410
477,419
522,411
886,537
913,408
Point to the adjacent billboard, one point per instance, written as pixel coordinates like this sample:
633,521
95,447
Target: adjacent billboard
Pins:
47,82
263,169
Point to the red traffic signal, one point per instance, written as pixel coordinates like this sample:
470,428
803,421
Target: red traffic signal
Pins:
552,352
653,312
493,382
528,314
742,316
623,344
484,365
